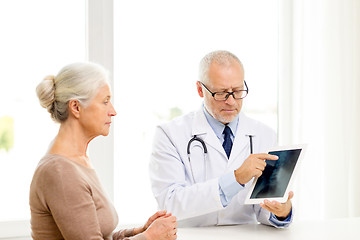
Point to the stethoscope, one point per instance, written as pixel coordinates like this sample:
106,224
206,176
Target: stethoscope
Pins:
196,138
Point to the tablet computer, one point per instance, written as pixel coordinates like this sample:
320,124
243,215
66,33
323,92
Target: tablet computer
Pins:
278,175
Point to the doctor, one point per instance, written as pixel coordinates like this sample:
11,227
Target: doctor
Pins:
203,163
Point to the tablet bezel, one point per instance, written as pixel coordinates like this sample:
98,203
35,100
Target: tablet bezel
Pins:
284,198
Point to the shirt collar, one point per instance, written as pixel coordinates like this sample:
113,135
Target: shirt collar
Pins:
218,127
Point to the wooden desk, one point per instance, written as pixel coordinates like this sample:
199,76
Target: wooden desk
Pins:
326,229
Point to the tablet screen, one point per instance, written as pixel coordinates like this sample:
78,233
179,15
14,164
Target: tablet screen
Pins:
276,175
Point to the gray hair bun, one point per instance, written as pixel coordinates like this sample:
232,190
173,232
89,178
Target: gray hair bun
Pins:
46,92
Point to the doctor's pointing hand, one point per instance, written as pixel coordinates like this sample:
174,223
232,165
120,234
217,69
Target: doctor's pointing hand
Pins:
253,166
203,163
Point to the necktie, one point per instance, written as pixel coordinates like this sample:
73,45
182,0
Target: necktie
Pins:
227,144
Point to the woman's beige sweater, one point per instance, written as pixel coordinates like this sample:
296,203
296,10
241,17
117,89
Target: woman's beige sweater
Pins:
67,201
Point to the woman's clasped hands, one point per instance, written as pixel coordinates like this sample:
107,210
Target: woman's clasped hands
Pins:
161,226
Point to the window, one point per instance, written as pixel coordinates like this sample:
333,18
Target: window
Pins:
158,45
38,38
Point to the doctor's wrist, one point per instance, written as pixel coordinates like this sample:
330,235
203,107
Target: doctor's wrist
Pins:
238,177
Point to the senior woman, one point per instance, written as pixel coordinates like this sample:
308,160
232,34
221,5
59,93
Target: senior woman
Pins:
67,200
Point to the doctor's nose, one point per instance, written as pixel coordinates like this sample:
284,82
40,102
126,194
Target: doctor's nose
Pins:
230,100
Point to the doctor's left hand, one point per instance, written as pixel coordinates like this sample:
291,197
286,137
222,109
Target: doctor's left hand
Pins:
281,210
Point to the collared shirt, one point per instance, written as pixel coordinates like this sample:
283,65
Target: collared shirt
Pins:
218,127
228,186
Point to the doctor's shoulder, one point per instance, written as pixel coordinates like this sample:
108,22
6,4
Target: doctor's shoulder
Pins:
175,130
261,129
180,123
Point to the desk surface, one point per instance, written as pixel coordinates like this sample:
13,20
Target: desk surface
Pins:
326,229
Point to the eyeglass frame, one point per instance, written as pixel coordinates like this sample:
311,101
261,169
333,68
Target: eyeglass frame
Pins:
228,93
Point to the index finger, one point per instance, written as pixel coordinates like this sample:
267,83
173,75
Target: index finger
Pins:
291,195
161,212
171,218
265,156
157,215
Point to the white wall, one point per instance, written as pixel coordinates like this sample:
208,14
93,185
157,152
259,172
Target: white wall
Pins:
320,103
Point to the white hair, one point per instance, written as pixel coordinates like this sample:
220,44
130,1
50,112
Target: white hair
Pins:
76,81
220,57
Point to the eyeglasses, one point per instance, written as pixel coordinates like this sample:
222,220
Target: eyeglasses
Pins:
223,96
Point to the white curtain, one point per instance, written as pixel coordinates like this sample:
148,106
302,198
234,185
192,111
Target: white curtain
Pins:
319,103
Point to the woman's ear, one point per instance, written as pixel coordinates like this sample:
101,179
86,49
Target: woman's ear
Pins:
199,89
74,108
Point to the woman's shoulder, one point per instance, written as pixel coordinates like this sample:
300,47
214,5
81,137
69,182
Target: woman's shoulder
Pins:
52,166
54,161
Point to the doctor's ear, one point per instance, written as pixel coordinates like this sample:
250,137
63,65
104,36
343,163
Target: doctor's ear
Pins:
199,89
74,108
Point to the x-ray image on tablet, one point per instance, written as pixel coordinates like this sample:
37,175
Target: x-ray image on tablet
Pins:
276,179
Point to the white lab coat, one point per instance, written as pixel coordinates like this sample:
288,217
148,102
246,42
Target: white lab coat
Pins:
197,203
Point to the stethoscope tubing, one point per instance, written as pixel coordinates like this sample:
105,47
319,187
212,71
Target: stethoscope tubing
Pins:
196,138
251,143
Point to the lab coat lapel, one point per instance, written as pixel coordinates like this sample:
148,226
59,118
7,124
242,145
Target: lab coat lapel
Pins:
241,143
202,128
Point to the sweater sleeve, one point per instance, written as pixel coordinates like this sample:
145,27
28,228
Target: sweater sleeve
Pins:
69,199
128,234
